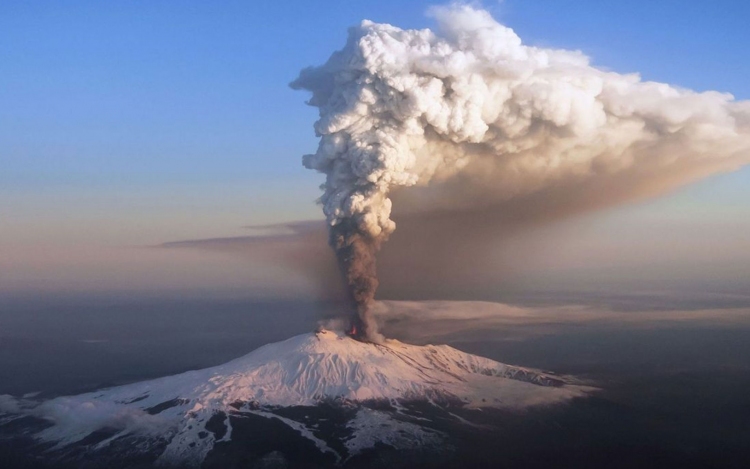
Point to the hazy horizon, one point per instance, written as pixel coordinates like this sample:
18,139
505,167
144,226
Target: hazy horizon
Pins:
206,141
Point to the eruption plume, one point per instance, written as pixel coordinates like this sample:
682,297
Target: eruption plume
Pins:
477,119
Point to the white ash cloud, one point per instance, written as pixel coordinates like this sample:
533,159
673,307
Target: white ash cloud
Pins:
470,118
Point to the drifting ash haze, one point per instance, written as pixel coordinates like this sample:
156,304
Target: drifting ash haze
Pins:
472,120
368,390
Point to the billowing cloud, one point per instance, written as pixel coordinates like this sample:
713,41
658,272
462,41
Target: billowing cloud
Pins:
468,119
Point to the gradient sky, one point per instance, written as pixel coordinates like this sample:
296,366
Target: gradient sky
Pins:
142,122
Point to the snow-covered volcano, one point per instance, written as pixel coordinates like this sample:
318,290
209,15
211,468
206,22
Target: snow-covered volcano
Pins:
180,419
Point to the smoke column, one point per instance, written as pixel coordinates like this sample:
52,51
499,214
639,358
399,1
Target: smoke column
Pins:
473,111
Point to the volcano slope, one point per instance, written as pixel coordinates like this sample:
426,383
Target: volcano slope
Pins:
317,399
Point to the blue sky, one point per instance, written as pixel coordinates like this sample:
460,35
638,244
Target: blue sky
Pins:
146,121
152,92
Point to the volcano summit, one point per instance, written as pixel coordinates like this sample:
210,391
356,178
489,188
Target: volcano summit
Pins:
322,394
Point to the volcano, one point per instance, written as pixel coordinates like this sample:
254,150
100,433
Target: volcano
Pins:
322,394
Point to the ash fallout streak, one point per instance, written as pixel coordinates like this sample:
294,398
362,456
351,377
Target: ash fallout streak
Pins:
467,118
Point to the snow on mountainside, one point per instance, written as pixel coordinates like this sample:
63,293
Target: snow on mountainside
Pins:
305,370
